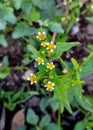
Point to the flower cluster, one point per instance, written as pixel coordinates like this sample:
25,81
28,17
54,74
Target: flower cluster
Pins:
40,61
33,79
49,46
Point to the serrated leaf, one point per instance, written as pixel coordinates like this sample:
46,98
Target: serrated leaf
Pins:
22,29
31,117
63,47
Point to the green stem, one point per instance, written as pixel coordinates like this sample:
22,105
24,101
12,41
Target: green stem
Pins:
65,65
59,118
81,110
20,68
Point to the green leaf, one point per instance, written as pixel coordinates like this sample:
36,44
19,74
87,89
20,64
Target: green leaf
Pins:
5,61
4,72
10,106
90,19
40,74
8,15
52,126
31,117
3,41
54,103
56,27
26,7
34,51
76,65
2,24
45,4
17,4
87,66
34,16
47,8
90,46
73,4
60,93
22,127
43,104
62,47
88,103
81,125
45,121
22,29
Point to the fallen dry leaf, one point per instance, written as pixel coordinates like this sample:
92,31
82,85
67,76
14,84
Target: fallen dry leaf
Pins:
18,120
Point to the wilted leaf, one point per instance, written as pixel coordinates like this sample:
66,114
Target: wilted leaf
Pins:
18,120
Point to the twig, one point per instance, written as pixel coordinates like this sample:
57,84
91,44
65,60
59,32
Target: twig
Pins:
54,37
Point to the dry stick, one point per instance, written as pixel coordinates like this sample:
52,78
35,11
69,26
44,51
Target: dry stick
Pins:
54,37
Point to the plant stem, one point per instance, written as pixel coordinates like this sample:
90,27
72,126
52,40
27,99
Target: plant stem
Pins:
59,118
65,65
20,68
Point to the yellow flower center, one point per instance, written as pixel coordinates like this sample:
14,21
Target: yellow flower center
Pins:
50,66
33,78
51,46
49,85
41,36
44,44
40,61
